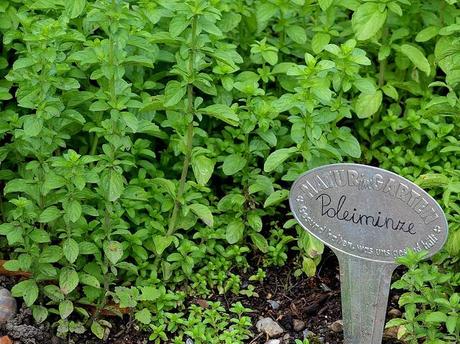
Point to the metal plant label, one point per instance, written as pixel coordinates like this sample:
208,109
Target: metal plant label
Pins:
369,217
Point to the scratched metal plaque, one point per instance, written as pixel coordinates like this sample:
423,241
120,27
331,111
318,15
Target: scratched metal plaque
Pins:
369,217
367,212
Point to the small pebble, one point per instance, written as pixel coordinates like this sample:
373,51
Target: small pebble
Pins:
336,326
298,325
394,313
286,338
273,341
307,334
325,287
188,341
270,327
275,304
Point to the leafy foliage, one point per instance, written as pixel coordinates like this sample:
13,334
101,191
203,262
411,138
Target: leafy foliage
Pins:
151,144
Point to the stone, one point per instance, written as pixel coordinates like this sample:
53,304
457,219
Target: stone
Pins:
273,341
394,313
286,338
337,326
269,327
307,334
274,304
298,325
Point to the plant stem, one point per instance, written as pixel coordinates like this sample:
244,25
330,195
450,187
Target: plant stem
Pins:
189,132
383,63
382,67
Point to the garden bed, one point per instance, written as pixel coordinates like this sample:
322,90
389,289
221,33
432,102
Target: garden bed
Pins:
288,300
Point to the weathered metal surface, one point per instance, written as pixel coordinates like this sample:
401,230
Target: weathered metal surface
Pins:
369,217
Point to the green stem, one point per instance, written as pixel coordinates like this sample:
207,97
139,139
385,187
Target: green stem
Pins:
382,67
94,145
189,132
383,63
2,209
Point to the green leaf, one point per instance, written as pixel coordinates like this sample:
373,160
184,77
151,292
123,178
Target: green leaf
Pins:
28,290
203,212
150,293
390,91
161,243
23,63
99,105
260,241
368,104
309,266
90,280
17,185
49,214
451,323
131,121
277,158
53,292
203,168
13,234
97,329
427,33
368,20
297,33
144,316
71,250
174,92
113,251
233,163
234,231
39,236
232,201
276,198
436,317
255,222
73,210
51,254
75,7
177,25
112,182
314,247
65,308
39,313
319,41
325,4
348,143
32,125
270,56
68,280
417,58
53,181
222,112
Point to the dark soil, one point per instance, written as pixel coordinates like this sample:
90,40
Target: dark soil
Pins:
315,301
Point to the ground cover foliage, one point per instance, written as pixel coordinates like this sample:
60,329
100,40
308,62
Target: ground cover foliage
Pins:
148,148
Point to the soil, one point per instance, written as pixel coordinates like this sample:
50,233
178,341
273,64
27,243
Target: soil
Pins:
314,301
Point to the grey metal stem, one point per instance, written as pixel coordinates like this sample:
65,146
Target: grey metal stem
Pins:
365,286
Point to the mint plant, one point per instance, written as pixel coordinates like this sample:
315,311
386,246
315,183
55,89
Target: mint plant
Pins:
149,146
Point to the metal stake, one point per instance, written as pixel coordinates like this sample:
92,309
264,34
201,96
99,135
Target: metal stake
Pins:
365,286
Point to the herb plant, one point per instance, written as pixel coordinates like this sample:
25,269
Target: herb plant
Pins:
149,146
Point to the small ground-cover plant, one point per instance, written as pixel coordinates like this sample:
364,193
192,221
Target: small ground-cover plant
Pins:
148,146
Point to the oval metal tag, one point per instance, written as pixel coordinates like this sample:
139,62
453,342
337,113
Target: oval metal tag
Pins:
367,212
